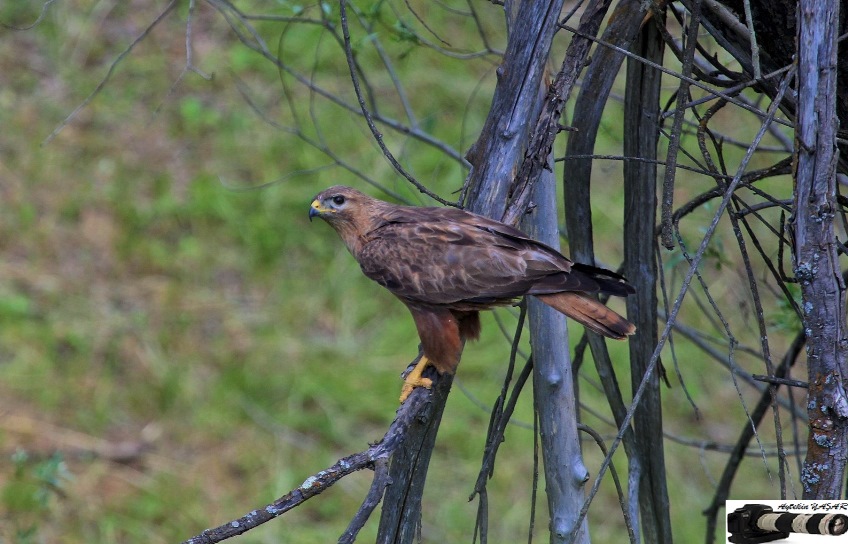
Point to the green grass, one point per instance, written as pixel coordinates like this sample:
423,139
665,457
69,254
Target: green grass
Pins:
147,299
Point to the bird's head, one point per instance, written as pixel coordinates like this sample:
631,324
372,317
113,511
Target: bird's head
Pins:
336,204
347,210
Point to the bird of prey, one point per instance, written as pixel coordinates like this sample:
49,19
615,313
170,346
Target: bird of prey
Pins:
448,264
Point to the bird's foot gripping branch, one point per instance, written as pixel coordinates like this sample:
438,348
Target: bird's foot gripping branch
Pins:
415,379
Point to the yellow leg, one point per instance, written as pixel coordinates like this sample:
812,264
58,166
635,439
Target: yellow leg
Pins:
415,379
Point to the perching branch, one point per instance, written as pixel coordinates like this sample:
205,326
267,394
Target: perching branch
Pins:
375,458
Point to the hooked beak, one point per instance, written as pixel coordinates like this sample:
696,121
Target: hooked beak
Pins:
316,209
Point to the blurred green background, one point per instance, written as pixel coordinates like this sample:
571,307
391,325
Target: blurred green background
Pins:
178,345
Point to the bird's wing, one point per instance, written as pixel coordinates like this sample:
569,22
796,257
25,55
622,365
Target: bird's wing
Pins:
447,256
540,256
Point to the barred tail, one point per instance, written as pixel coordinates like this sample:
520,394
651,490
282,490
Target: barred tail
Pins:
591,313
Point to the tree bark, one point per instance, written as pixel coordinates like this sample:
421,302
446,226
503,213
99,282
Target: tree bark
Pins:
497,155
641,137
553,388
816,261
495,158
400,519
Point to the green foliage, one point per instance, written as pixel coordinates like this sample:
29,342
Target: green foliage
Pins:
31,488
198,117
14,306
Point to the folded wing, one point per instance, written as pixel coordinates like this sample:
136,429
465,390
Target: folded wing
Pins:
445,256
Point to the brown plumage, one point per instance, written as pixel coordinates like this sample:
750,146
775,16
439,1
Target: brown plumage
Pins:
447,264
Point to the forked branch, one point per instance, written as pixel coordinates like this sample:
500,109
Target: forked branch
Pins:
375,458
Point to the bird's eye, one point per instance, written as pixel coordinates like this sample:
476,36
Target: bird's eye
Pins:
338,200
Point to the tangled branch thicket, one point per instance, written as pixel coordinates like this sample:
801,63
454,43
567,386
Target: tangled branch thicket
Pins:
712,107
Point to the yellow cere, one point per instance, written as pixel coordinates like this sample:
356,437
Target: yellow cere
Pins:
316,205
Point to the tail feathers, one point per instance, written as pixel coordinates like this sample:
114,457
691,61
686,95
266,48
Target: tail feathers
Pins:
609,282
590,313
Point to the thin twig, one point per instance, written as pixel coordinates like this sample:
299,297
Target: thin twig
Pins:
780,381
667,201
250,37
38,20
696,260
535,484
755,49
400,91
735,221
712,93
622,501
378,136
748,431
497,433
375,495
320,146
112,67
189,63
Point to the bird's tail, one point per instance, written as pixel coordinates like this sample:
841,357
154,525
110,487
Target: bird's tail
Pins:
591,313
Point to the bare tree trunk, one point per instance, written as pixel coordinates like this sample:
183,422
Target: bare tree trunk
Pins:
816,260
641,137
401,515
495,158
644,447
498,154
553,388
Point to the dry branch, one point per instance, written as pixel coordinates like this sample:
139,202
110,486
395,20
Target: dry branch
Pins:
675,134
375,457
684,288
748,432
553,389
641,139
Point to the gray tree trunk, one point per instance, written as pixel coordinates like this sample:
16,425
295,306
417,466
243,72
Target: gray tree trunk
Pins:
553,388
644,447
816,261
495,158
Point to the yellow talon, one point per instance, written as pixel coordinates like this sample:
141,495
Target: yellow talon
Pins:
415,379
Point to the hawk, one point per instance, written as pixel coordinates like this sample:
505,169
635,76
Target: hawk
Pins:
447,264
